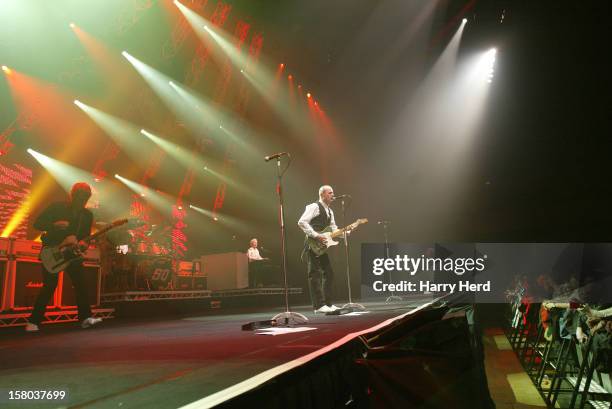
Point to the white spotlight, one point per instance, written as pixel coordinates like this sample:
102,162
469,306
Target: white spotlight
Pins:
464,20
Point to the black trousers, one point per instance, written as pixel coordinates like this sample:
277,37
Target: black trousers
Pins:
76,273
320,279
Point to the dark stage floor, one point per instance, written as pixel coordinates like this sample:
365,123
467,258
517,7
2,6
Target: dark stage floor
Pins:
164,362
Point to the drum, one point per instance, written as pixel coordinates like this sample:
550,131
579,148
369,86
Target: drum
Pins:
141,247
156,249
157,273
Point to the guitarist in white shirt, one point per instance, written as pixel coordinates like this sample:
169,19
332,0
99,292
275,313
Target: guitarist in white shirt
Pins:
65,223
317,216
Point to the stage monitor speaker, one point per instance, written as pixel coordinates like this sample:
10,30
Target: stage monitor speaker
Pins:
92,282
28,281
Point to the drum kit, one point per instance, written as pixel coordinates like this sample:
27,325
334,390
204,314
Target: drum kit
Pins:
138,258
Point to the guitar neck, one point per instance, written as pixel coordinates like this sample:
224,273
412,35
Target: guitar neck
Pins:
341,231
99,233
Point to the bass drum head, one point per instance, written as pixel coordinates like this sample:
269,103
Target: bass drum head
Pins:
159,273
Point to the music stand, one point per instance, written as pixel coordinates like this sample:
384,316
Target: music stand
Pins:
288,317
350,305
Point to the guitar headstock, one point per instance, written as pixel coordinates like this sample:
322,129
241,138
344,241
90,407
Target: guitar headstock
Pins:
357,222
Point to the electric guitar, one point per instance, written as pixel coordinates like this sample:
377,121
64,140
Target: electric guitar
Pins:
57,258
319,248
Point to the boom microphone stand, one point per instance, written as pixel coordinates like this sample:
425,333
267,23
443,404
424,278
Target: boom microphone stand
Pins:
350,305
392,297
287,317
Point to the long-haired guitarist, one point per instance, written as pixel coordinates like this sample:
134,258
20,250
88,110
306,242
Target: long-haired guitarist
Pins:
317,217
65,222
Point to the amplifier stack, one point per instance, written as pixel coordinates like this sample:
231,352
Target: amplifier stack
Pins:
21,277
190,276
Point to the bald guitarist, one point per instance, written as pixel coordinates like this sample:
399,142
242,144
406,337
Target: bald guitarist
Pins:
65,223
317,217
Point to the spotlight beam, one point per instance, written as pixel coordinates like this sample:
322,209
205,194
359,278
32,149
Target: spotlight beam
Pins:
120,130
162,202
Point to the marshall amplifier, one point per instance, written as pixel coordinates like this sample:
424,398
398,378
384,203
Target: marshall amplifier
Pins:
92,255
27,283
184,276
92,279
26,249
199,276
199,282
4,284
5,245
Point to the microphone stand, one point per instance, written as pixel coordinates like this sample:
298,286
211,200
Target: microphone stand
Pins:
288,317
392,298
350,305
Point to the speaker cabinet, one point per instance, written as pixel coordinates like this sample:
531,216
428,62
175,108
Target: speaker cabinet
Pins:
27,283
4,277
67,295
4,284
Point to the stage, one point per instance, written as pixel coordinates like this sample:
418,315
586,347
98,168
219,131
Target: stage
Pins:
170,362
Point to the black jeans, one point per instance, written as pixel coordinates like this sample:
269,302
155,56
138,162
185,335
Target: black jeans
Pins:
76,273
320,279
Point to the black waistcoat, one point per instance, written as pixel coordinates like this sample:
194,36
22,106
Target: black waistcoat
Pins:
322,221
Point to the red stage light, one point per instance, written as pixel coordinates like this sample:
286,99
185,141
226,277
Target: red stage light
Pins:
308,95
290,77
6,69
282,65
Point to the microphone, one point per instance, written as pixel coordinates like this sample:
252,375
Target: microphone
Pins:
274,156
342,197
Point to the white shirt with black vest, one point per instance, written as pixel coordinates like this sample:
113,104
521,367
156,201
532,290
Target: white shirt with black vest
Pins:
312,211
